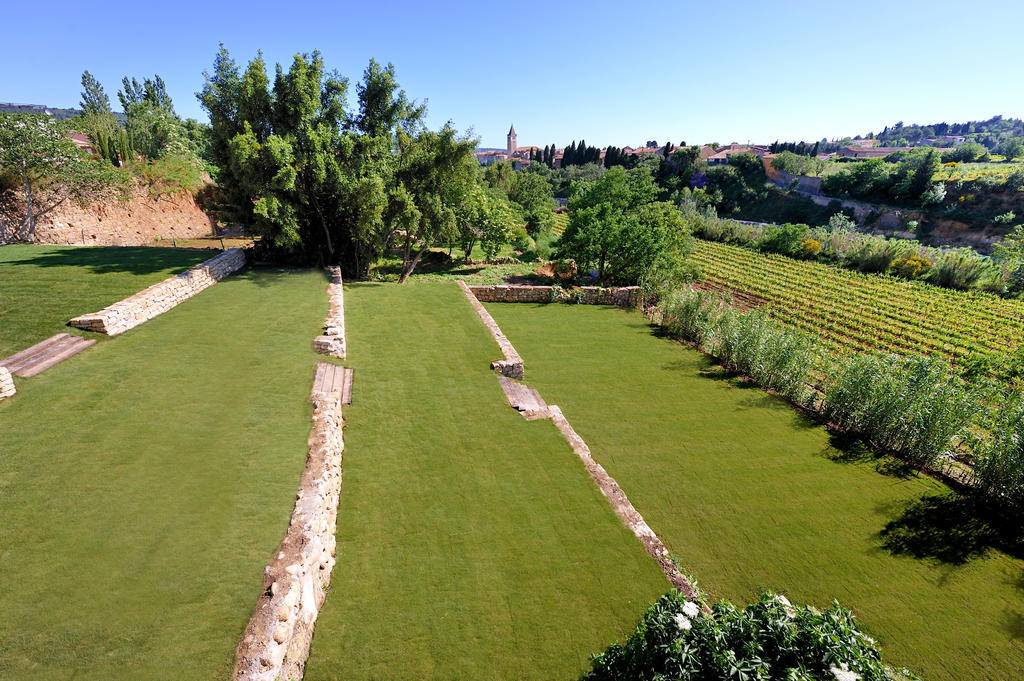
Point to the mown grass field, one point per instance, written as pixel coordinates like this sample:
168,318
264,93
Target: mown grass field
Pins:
145,482
851,312
471,543
752,496
42,287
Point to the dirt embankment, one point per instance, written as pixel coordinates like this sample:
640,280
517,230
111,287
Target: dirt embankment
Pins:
139,221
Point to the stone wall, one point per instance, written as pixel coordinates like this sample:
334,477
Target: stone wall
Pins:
276,641
6,384
332,342
139,221
162,296
512,365
628,296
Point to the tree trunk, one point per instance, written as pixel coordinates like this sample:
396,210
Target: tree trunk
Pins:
406,271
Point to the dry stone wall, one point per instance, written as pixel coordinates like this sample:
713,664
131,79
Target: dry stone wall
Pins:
627,296
332,342
160,297
6,384
512,365
276,641
139,221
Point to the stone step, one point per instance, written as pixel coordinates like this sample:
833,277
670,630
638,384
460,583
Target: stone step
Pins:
28,353
521,397
58,354
331,378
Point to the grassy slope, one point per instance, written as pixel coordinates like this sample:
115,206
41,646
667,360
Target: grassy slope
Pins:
146,482
750,495
42,287
471,543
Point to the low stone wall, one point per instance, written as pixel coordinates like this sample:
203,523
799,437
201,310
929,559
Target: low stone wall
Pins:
161,297
332,342
276,641
6,384
512,365
627,296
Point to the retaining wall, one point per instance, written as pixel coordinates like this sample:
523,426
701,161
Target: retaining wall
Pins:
276,641
332,342
6,384
162,296
627,296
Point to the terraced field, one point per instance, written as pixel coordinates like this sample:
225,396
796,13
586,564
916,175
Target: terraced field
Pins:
853,312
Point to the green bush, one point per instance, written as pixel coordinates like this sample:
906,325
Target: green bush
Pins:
692,314
170,175
785,239
769,639
910,406
999,465
960,268
776,357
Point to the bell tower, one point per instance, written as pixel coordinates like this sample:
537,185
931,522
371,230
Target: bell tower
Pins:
511,140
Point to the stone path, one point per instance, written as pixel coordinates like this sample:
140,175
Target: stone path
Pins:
44,355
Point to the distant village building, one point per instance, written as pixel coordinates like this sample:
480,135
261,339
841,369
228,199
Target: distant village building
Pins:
720,156
512,140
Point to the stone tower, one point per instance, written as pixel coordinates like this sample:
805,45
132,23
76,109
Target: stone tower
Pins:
511,140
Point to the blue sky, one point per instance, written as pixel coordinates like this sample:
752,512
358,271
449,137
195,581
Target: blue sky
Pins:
612,73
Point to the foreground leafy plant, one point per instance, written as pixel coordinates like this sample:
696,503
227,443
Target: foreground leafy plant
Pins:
769,639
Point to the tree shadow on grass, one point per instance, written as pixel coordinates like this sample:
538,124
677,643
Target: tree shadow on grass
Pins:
848,449
107,259
950,528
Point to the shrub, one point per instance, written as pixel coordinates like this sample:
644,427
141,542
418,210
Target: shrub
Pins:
522,242
910,406
959,268
1015,180
783,239
769,639
999,465
691,314
810,247
1005,219
544,244
170,175
774,356
875,253
910,266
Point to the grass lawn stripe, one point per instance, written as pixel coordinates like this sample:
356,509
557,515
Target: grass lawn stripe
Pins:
750,495
145,484
42,287
471,543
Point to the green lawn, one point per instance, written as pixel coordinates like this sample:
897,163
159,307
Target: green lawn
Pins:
471,543
751,496
42,287
146,482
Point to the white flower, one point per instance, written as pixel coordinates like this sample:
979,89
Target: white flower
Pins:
682,622
691,609
787,606
844,674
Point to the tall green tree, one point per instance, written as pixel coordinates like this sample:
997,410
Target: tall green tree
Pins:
94,99
320,184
